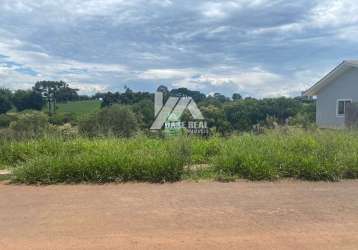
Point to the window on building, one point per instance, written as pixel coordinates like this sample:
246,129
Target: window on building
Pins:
341,106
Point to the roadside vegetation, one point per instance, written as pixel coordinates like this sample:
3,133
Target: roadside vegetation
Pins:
283,153
50,134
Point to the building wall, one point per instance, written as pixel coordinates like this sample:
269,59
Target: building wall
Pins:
344,87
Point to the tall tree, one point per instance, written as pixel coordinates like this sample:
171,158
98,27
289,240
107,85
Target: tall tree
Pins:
66,94
50,90
184,92
236,97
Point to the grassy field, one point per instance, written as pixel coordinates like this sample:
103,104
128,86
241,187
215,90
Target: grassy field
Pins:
79,107
319,155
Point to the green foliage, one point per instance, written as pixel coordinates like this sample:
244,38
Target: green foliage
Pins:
328,155
115,120
5,120
144,111
5,100
79,108
29,124
101,161
54,92
243,114
236,97
23,100
61,118
184,92
314,156
127,98
303,120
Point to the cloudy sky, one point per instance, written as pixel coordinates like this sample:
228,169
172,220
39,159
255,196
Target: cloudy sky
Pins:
254,47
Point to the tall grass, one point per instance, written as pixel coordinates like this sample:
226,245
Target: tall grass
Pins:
322,155
99,160
319,155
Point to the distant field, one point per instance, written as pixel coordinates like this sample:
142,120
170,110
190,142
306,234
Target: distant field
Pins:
79,108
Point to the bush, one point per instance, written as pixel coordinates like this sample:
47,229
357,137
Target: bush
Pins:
302,120
29,124
5,120
116,120
62,118
66,131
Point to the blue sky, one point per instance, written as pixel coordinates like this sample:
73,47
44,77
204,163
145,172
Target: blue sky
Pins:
259,48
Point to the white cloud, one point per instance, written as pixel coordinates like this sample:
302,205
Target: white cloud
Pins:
177,42
89,88
334,13
49,67
253,81
155,74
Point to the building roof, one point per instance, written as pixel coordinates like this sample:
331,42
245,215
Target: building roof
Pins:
336,72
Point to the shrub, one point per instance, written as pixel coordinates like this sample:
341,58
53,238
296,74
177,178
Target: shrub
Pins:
5,120
66,131
302,120
116,120
62,118
29,124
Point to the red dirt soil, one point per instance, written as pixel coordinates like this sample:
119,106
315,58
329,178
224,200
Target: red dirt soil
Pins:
186,215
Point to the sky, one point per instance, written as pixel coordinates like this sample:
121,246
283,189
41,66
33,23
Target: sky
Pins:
258,48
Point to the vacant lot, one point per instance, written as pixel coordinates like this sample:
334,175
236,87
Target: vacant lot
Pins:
184,215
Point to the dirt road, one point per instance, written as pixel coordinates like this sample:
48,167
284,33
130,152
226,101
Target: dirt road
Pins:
243,215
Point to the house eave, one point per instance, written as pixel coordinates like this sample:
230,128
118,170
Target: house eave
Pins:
326,80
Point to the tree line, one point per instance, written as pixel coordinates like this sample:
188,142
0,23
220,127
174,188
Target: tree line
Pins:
223,114
43,93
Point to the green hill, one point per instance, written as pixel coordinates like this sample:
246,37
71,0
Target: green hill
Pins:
79,107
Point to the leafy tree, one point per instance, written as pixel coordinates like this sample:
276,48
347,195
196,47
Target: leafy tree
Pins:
184,92
220,97
243,114
65,94
27,99
215,117
99,96
54,91
128,98
144,111
236,97
164,89
282,108
5,100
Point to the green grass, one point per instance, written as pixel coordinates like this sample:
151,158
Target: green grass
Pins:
102,160
5,177
79,108
315,156
323,155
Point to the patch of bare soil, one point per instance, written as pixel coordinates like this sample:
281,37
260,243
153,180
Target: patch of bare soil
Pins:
186,215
